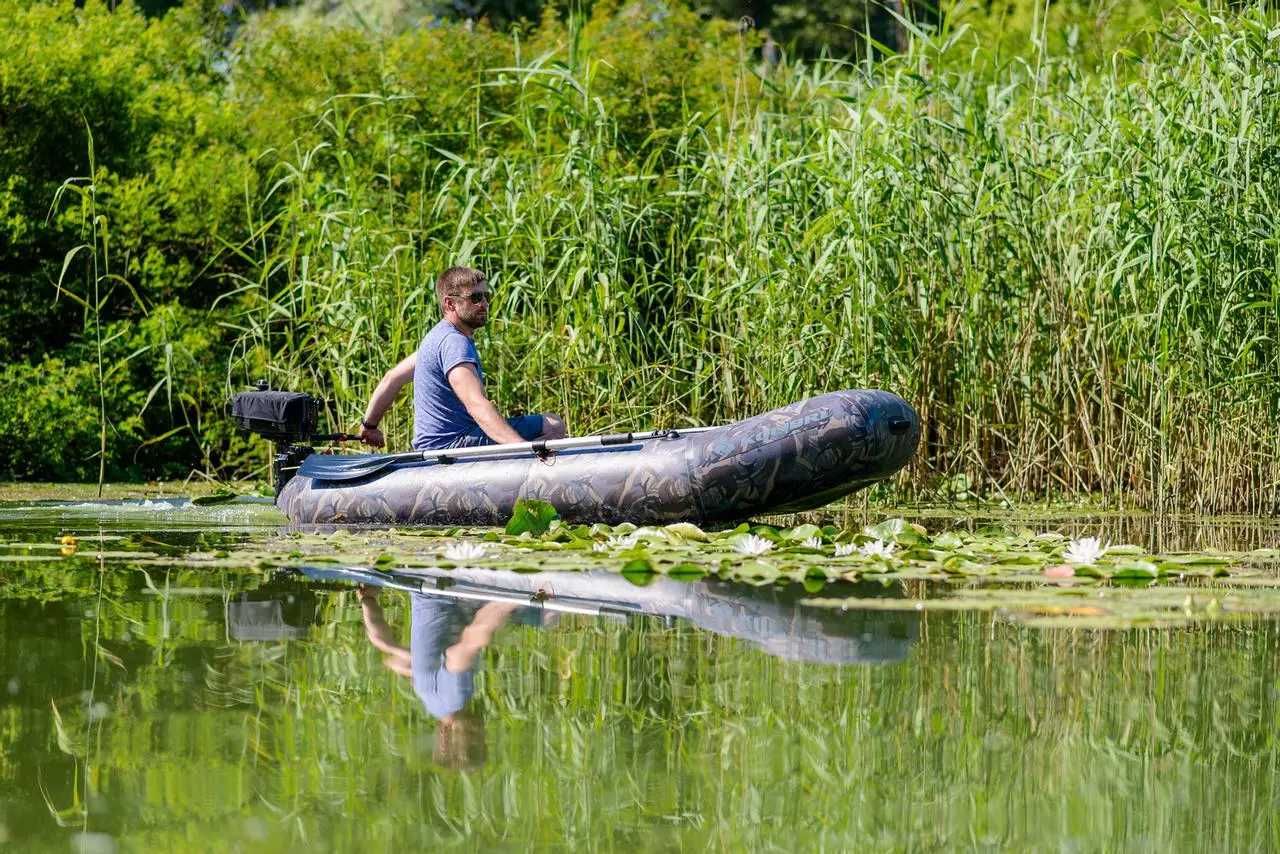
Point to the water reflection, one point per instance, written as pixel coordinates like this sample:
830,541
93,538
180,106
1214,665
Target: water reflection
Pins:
187,706
271,616
455,615
446,643
194,706
161,515
1154,532
773,619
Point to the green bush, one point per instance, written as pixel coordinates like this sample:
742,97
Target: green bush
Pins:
164,377
173,171
49,423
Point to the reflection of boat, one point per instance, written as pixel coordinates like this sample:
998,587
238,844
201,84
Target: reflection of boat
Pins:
795,458
772,619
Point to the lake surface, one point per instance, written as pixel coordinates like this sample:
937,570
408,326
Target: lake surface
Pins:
152,703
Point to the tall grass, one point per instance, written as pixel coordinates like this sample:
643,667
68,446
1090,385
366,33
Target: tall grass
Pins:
1072,273
95,258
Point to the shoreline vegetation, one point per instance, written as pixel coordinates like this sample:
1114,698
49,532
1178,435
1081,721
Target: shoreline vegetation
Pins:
1054,234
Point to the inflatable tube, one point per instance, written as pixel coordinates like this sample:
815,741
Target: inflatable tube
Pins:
798,457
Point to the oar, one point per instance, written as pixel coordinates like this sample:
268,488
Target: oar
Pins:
445,588
337,468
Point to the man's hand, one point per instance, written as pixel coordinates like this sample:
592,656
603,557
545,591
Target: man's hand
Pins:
372,436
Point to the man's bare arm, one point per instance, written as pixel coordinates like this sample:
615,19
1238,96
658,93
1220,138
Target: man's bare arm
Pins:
395,656
383,396
466,385
476,636
375,625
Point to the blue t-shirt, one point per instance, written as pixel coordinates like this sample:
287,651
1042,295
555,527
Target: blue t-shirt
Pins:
439,417
437,625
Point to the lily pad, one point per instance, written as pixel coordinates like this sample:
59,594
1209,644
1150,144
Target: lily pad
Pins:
686,570
638,566
1135,569
215,499
898,531
687,531
531,516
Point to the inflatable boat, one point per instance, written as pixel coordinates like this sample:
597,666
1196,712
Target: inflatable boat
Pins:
795,458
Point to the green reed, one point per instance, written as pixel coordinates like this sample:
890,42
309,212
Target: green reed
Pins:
1070,271
99,283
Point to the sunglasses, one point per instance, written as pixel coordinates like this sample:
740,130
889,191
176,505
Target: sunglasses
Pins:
476,297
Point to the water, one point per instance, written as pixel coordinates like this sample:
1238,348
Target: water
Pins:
151,702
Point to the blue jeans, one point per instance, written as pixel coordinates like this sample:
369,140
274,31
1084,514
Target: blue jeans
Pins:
528,426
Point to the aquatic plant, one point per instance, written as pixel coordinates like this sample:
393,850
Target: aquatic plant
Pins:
680,238
465,550
937,568
751,544
877,548
1086,551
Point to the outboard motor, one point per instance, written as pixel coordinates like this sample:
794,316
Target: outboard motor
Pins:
288,419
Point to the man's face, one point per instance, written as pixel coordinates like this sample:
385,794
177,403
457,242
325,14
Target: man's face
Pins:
473,306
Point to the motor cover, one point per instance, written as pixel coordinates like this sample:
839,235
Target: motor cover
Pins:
281,416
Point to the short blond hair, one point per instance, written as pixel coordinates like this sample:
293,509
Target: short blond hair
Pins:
460,741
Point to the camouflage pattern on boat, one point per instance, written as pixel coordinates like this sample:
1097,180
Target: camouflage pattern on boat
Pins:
798,457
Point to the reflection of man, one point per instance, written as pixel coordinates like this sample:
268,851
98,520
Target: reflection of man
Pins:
445,642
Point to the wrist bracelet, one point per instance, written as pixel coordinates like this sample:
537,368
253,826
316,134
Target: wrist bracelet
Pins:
364,423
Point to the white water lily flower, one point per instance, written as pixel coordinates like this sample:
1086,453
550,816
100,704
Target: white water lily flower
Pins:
813,543
465,551
1085,551
622,542
877,548
845,549
599,547
752,545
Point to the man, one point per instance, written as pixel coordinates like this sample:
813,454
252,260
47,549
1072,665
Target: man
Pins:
450,407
